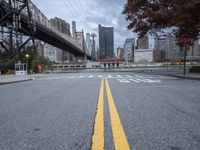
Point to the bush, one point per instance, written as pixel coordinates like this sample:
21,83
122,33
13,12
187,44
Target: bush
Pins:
195,69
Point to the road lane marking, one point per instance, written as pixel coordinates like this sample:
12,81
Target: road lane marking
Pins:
139,80
100,76
110,76
142,80
152,81
71,77
134,80
123,80
119,76
129,76
139,76
80,76
98,135
91,76
120,140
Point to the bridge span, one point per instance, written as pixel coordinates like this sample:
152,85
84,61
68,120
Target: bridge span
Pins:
30,21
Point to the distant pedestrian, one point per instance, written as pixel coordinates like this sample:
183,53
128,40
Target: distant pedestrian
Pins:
40,68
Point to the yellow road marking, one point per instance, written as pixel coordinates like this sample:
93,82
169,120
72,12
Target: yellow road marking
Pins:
120,140
98,136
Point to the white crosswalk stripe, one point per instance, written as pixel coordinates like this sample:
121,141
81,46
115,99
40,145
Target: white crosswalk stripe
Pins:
110,76
123,80
134,80
71,77
129,76
80,76
119,76
141,78
91,76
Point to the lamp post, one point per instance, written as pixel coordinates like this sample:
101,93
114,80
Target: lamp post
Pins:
27,56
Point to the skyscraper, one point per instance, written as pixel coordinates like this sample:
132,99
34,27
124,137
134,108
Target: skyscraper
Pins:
143,43
73,28
129,49
63,27
89,42
106,42
166,48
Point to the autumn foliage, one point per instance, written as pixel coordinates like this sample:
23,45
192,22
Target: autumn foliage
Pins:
152,16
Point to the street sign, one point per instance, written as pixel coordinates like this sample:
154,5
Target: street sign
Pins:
185,39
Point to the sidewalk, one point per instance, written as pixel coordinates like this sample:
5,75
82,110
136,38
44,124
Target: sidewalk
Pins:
191,76
8,79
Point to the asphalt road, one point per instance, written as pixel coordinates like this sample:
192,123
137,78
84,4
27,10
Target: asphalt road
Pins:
59,112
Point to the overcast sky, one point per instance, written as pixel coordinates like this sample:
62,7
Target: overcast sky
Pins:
88,14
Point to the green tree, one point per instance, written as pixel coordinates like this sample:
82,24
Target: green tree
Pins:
33,59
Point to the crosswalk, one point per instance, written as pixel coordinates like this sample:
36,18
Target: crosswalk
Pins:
125,78
144,76
139,80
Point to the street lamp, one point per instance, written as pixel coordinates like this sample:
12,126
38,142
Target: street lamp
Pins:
27,56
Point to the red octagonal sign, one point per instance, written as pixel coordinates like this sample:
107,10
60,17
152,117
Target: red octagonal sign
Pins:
185,39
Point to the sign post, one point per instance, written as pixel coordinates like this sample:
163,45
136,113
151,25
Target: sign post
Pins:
185,41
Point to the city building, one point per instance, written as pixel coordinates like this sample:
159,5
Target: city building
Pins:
129,49
159,56
143,55
166,49
52,53
143,43
63,27
60,25
73,28
106,42
89,42
39,48
120,53
193,52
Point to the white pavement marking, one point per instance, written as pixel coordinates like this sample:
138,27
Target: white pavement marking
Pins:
123,80
80,76
129,76
149,76
142,80
134,80
110,76
119,76
71,77
138,76
139,80
91,76
100,76
153,81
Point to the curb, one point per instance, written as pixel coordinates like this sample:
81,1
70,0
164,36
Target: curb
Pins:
3,83
182,77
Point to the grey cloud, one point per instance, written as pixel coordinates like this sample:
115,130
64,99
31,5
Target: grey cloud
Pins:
90,13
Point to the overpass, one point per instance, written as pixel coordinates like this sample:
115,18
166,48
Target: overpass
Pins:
29,20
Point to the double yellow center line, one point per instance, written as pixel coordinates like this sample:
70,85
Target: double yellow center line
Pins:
120,140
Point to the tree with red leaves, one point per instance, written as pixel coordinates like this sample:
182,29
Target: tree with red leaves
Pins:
152,16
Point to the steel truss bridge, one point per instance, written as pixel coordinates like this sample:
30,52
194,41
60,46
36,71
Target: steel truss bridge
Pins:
23,17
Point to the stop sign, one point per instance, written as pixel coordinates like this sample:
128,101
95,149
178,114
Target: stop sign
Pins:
185,39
